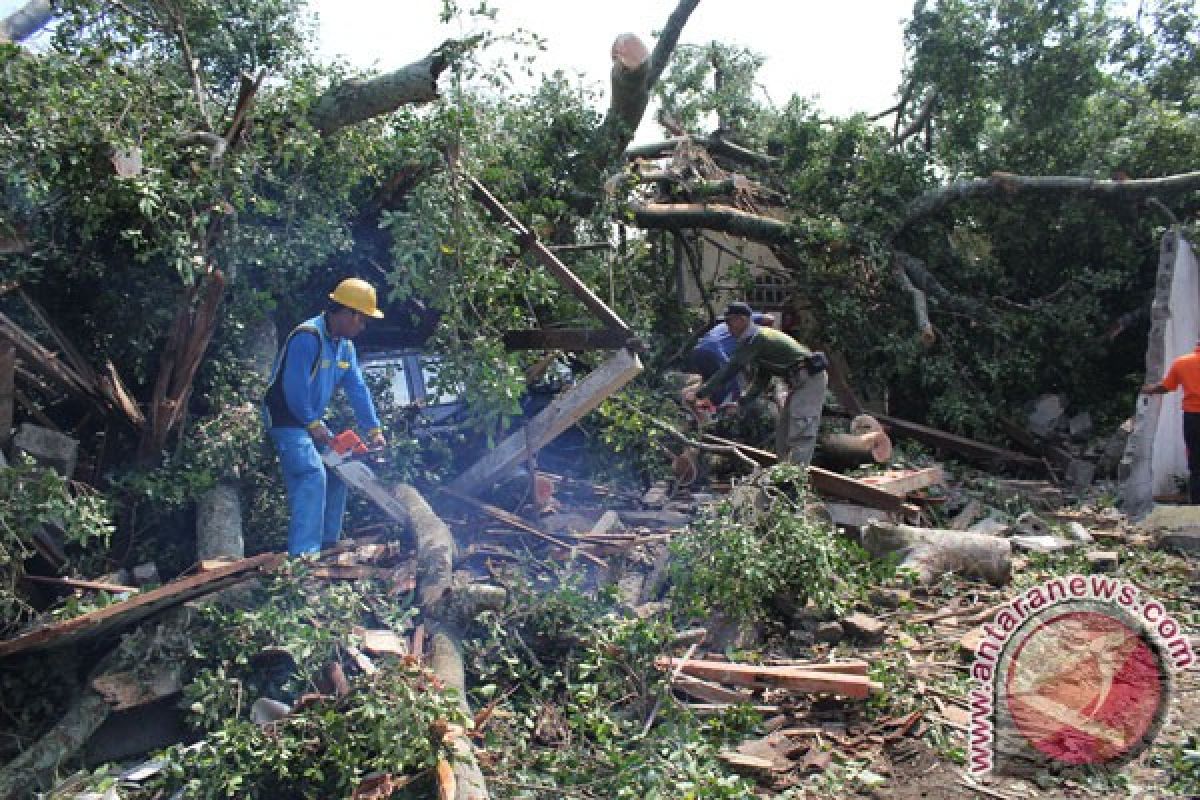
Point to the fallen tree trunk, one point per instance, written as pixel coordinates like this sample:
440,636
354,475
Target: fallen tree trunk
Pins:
933,552
715,145
1003,183
436,551
726,219
848,450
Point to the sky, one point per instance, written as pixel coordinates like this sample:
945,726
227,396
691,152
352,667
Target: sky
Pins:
847,54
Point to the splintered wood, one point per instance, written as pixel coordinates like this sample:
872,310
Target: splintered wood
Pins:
846,679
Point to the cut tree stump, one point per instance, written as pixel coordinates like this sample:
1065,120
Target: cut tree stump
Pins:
848,450
933,552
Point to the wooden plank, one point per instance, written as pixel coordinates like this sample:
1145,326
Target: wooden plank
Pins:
901,483
8,378
560,271
72,583
112,387
957,444
121,615
570,339
44,362
74,358
831,483
567,409
794,678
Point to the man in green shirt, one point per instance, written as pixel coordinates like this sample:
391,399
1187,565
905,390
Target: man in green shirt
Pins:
774,354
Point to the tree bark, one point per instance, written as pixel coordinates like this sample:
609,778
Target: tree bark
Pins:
679,216
635,71
436,551
849,450
26,21
354,101
1000,184
932,553
195,322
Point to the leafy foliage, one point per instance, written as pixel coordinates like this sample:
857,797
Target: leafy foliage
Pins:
761,551
573,682
277,642
32,497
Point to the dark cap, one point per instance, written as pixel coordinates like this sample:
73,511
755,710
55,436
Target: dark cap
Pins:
739,309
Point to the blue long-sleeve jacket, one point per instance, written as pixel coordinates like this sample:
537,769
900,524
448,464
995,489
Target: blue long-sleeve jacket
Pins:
720,340
310,366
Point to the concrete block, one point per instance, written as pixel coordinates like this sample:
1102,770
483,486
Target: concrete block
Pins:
48,448
1080,426
1080,473
146,574
1048,412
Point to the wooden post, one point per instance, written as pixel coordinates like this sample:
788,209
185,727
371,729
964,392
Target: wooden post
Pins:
528,241
564,412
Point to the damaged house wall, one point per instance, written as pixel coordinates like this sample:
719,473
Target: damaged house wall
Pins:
1155,456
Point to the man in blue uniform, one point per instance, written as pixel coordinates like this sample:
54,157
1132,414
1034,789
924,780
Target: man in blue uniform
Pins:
318,357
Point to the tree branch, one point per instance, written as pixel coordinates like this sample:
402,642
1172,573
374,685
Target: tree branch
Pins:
1000,184
716,145
919,121
676,216
354,101
634,73
26,21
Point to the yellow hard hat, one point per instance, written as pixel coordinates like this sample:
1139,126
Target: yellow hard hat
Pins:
357,294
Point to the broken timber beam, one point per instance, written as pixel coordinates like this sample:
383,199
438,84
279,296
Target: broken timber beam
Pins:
970,448
135,609
565,411
570,339
528,241
833,484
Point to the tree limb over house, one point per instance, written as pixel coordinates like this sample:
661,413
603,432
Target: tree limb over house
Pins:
26,21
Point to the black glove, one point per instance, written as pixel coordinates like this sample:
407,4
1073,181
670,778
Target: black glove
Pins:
816,363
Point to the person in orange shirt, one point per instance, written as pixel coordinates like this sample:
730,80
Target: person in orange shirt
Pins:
1185,372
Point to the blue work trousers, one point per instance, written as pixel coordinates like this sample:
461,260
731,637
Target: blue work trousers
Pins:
316,496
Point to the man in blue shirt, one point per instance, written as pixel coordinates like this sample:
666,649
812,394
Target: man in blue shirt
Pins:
318,357
714,350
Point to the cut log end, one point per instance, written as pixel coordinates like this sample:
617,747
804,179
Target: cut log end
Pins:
629,51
